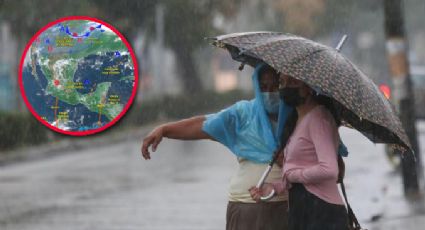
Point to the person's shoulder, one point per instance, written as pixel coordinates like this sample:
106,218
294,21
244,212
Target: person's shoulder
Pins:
243,105
238,109
244,102
321,113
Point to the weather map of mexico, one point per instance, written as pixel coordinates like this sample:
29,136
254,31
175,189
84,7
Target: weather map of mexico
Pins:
78,76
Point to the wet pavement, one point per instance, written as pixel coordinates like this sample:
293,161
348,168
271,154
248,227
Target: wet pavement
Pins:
111,187
375,188
183,187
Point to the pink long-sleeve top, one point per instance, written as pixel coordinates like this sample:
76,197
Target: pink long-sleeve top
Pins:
311,156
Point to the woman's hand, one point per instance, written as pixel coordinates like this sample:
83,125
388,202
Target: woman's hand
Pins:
257,193
187,129
153,138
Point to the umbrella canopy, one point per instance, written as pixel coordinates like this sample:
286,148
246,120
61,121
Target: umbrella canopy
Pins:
356,99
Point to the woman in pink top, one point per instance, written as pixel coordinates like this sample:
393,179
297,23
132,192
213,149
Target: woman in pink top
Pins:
310,167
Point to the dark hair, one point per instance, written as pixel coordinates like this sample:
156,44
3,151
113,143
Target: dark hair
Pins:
330,105
289,128
266,68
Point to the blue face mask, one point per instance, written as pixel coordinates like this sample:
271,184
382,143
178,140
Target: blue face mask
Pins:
271,102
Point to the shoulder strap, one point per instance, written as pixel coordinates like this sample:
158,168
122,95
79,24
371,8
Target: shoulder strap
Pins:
352,219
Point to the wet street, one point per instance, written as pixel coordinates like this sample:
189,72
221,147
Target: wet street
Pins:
111,187
182,187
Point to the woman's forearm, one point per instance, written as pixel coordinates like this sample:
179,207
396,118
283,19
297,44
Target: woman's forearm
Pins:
187,129
313,174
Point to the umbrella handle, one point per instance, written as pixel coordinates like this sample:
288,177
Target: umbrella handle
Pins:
264,176
261,182
267,171
268,197
341,42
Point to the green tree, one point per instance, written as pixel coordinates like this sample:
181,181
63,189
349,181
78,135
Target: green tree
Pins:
186,23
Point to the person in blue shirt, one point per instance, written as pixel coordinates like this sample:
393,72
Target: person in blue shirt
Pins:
251,130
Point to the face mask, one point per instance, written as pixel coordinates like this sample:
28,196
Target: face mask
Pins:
271,102
291,96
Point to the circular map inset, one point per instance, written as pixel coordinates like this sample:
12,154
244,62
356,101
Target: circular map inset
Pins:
78,75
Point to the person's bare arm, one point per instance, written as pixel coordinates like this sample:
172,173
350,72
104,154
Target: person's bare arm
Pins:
187,129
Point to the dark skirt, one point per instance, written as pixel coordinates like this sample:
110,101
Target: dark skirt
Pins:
308,212
257,216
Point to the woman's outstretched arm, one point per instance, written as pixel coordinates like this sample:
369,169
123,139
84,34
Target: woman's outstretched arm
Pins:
187,129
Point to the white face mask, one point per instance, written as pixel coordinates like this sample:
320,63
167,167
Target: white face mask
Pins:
271,102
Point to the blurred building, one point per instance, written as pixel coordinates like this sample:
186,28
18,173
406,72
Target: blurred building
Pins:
157,70
226,75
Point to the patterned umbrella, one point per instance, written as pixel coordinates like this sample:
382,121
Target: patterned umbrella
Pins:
357,100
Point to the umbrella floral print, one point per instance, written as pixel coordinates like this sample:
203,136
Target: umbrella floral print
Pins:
357,100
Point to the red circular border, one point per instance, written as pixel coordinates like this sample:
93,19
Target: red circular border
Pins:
129,102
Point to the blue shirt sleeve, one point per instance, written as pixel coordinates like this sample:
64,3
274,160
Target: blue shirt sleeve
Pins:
222,126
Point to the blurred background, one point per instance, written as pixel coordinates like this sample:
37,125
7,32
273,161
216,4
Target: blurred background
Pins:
52,181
